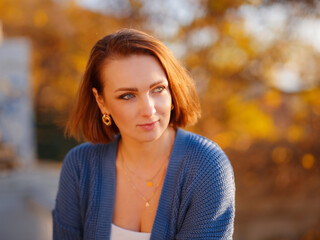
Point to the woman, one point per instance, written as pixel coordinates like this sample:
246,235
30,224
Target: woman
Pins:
142,176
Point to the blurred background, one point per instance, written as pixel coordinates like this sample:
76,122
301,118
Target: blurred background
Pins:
256,68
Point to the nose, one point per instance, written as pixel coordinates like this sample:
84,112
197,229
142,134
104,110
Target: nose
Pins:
147,106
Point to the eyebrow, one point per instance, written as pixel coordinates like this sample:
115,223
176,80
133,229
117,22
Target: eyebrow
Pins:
136,89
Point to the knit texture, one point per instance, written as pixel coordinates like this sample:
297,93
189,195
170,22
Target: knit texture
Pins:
197,198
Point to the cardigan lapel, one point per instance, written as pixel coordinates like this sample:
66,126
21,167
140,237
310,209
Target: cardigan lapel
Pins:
161,223
108,187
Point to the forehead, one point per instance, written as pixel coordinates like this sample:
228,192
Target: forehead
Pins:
133,70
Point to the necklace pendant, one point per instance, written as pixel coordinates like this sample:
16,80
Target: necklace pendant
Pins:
147,204
150,184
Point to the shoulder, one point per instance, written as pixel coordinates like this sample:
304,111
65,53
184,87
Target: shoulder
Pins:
84,150
86,154
80,149
197,141
202,149
80,153
205,158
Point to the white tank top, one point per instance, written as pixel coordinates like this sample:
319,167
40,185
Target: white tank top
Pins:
118,233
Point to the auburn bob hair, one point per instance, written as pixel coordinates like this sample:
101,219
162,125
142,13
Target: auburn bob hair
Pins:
85,118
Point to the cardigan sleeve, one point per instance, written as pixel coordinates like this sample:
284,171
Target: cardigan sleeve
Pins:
210,214
66,215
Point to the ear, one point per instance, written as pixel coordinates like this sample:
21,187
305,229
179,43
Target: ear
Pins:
100,101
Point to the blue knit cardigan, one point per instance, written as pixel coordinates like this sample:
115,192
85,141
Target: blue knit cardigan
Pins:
197,198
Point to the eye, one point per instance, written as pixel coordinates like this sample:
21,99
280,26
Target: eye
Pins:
159,89
126,96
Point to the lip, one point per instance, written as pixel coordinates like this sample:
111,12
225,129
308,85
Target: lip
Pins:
148,126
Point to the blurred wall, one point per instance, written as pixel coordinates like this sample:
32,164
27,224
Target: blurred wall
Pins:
16,107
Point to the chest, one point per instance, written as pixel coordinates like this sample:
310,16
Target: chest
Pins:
136,203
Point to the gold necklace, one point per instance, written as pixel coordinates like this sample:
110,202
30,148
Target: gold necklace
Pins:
150,180
134,187
147,200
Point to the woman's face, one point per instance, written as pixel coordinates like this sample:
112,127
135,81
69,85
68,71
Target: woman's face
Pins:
137,96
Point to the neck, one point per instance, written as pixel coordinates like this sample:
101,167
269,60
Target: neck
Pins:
145,156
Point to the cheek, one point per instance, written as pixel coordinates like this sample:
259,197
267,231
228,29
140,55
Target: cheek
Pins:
120,114
165,104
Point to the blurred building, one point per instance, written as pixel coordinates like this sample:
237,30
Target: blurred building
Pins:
16,112
27,189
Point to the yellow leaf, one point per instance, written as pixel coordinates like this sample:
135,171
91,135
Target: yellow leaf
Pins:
307,161
273,99
295,133
40,18
281,155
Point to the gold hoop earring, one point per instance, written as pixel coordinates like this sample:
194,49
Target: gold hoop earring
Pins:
172,106
106,119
